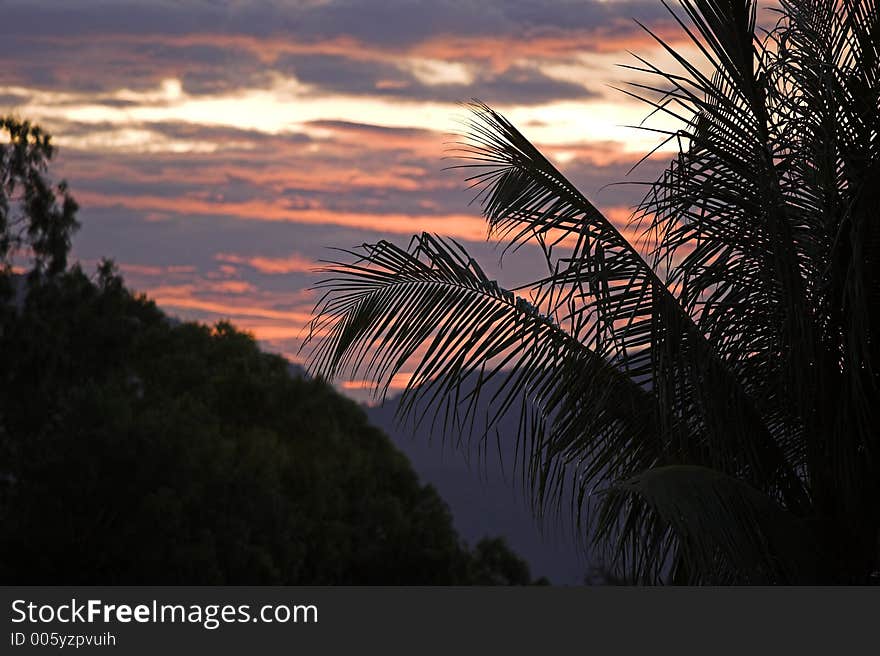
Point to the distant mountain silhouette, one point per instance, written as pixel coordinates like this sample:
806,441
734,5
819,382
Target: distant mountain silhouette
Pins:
296,371
485,497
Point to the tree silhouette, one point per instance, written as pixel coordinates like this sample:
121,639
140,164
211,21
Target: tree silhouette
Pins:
709,402
37,218
139,449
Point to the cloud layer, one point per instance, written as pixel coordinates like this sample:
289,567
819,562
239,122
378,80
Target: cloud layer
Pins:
218,147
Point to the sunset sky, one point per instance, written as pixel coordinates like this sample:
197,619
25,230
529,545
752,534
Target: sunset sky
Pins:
218,147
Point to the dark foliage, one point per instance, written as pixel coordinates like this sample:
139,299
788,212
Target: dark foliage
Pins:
707,404
36,216
139,450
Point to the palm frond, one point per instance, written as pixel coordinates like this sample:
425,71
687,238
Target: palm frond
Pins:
828,68
753,217
431,304
724,394
611,301
722,527
723,226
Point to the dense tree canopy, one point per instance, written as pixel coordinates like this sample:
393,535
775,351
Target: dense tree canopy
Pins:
138,449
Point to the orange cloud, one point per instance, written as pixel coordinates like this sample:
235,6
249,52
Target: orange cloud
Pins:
214,297
150,271
306,172
398,382
271,265
230,286
268,316
463,226
500,50
142,269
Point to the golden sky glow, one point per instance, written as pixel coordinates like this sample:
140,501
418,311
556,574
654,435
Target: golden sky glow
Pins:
217,151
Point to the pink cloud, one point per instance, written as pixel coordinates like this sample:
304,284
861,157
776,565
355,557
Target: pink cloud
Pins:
463,226
293,263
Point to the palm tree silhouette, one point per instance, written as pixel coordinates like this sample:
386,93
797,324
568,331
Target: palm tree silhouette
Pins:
708,403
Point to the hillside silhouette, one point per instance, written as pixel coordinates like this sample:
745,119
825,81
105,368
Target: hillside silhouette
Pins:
137,449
